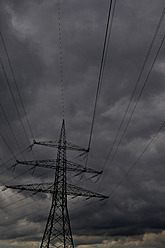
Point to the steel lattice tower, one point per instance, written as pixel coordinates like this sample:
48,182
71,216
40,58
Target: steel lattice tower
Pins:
58,230
58,224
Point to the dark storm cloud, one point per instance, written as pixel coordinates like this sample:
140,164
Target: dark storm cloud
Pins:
30,30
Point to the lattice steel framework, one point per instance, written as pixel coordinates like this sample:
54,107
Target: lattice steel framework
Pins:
58,230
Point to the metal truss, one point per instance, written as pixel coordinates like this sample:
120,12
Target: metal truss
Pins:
51,164
49,188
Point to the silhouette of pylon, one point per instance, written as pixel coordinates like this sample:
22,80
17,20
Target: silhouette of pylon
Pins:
58,232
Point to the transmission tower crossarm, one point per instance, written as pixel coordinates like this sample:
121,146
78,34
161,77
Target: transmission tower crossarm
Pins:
56,144
70,146
81,168
51,164
46,163
49,188
37,187
77,191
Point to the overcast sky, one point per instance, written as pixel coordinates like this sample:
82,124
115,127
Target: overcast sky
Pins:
134,214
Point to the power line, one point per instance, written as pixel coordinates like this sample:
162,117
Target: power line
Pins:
21,152
25,198
11,129
136,103
106,40
42,174
135,163
10,221
16,84
16,192
27,148
136,84
15,177
45,173
61,61
24,173
16,106
15,219
11,159
7,80
6,143
40,210
109,36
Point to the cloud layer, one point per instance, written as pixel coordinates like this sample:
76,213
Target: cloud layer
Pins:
134,213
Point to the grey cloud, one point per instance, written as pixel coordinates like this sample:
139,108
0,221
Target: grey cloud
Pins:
30,30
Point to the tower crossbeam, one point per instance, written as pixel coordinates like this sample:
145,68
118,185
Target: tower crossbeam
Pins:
49,188
55,144
51,164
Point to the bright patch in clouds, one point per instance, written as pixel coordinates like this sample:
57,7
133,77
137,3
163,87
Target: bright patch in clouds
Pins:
160,67
147,240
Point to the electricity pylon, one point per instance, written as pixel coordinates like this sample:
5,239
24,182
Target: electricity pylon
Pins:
58,230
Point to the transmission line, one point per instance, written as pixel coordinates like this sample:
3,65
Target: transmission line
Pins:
136,84
7,80
102,64
16,84
15,219
21,152
17,192
24,173
40,210
25,198
136,103
8,169
6,77
6,143
11,159
11,129
135,163
11,210
61,60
